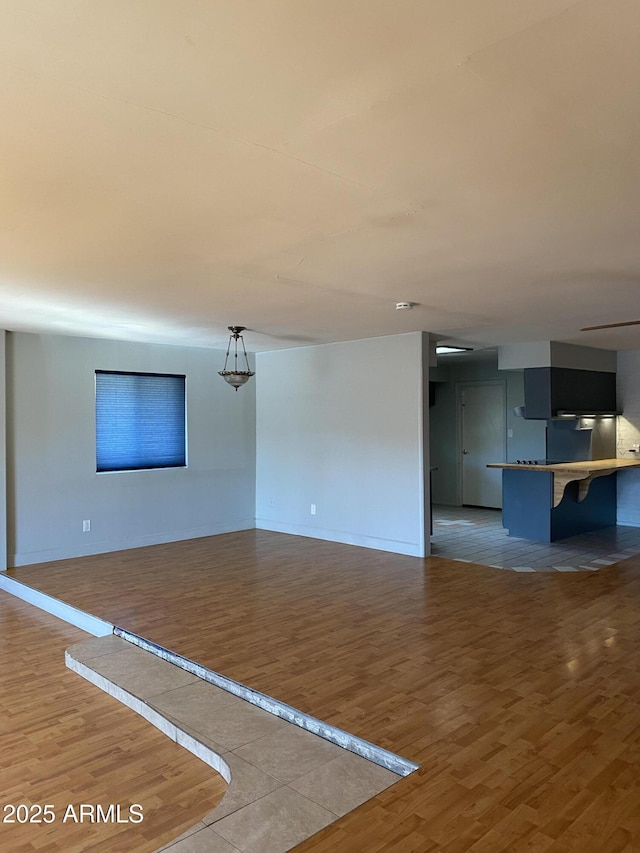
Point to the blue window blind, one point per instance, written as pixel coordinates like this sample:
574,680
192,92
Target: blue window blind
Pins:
140,421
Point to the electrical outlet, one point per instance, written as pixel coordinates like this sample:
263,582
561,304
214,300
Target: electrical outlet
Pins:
313,509
86,525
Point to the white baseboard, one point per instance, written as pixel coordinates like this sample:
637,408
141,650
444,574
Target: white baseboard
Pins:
631,521
409,549
106,546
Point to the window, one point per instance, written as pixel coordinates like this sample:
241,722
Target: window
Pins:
140,421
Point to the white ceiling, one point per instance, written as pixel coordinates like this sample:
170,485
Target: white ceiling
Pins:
299,166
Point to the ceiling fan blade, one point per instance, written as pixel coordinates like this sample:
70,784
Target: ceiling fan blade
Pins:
611,326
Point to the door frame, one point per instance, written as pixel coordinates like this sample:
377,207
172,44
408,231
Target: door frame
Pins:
460,386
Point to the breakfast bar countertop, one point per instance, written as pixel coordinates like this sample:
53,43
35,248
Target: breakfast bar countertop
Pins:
581,468
568,472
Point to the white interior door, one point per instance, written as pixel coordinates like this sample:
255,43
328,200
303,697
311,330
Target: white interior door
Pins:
483,441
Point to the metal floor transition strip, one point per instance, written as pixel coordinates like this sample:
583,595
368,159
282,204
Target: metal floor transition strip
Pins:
376,754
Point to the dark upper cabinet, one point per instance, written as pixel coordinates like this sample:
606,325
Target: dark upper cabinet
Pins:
548,390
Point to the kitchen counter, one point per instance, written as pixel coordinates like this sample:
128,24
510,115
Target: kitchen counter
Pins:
568,472
561,499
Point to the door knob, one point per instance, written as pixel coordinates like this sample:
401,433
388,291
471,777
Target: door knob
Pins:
465,452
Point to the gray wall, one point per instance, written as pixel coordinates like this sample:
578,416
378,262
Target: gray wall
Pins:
527,440
51,478
3,453
628,434
341,426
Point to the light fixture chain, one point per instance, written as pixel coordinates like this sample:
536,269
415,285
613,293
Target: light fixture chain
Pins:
227,355
246,360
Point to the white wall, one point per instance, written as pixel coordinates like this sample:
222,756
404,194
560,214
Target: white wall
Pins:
51,468
341,426
628,434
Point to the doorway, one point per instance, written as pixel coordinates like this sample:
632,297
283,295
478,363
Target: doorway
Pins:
482,437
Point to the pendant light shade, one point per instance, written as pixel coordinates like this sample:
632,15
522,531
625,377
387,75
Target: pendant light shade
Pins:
236,377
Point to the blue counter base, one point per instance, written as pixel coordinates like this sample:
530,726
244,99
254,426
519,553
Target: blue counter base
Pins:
527,498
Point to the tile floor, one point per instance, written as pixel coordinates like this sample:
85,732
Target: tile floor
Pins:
285,783
476,535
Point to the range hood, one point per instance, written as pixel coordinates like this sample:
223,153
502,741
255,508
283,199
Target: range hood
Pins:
520,412
588,413
562,392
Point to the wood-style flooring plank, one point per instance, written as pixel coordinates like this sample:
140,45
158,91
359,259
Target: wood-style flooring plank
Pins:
65,743
517,693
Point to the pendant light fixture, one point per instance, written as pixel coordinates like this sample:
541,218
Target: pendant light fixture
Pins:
236,377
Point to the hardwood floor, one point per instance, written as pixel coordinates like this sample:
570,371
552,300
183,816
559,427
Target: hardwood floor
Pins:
65,743
519,694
